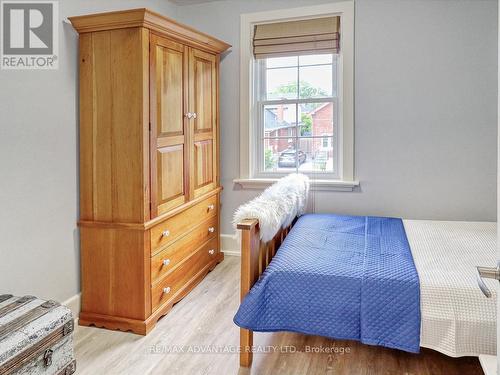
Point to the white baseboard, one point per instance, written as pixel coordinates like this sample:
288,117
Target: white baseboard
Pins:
229,244
231,253
74,304
489,364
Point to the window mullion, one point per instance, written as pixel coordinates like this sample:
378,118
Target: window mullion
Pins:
299,101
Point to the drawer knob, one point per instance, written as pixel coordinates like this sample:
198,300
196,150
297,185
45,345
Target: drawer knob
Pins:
166,262
166,290
211,252
165,233
211,207
211,229
194,115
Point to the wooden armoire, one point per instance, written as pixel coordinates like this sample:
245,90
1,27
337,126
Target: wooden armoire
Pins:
149,165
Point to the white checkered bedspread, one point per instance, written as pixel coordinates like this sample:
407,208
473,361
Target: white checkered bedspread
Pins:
457,319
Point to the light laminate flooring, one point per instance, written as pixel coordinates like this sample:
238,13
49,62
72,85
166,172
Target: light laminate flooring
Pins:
198,336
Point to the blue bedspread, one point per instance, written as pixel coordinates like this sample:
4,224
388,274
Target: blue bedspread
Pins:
343,277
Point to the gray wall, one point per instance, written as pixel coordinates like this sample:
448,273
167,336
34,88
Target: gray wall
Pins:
425,107
425,127
39,251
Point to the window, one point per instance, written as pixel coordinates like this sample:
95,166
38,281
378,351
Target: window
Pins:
297,108
297,115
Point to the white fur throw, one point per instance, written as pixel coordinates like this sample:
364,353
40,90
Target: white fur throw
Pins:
277,206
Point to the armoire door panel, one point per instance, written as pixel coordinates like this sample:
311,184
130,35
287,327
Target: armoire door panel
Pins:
170,81
203,102
203,80
169,147
170,169
203,158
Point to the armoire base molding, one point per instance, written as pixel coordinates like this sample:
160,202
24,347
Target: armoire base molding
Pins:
143,327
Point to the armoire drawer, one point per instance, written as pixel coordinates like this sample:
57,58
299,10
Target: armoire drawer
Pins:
172,283
176,226
167,259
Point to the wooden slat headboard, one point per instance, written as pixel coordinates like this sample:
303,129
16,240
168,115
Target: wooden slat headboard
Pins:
255,257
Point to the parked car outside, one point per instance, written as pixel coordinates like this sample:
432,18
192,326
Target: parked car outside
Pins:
288,158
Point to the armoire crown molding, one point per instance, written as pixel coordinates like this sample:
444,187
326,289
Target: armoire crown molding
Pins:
143,17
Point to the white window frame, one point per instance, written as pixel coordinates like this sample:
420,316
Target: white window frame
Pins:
260,102
248,112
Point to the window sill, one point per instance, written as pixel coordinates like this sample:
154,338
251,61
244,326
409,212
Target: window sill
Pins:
316,185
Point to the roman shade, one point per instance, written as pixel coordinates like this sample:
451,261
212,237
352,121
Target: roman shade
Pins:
304,37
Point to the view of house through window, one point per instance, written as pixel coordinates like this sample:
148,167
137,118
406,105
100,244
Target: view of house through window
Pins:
298,111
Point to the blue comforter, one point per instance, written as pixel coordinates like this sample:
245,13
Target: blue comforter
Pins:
344,277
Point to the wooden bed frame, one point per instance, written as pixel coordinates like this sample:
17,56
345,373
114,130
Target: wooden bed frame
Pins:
255,257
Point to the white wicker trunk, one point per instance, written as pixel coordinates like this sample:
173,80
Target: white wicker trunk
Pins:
36,337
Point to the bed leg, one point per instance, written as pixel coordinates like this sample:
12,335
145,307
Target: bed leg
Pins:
246,344
250,256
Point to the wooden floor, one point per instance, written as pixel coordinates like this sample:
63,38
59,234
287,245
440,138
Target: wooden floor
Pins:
199,337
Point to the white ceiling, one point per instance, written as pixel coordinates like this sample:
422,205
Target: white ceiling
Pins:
190,2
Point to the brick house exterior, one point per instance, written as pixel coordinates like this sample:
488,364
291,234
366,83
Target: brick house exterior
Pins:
276,126
322,125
